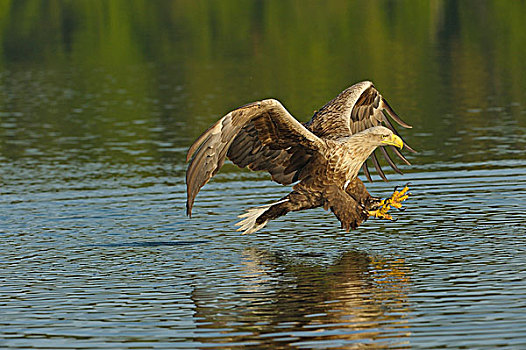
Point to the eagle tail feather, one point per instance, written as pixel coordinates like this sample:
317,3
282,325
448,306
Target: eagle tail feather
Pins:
249,223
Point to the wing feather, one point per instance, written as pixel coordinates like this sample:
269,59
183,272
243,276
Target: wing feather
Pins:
365,170
390,161
264,136
356,109
377,166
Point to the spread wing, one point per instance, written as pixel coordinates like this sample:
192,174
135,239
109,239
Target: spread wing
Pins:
355,109
261,136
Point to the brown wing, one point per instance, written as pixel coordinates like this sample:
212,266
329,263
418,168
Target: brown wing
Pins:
261,135
355,109
252,149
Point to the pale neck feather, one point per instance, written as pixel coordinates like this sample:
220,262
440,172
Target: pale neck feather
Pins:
360,147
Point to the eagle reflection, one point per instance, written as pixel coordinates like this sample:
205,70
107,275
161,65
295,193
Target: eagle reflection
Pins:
285,301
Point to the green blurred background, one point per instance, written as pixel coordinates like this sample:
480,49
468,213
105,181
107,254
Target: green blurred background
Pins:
82,76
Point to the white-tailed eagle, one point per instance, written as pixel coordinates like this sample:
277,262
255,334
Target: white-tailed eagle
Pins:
322,157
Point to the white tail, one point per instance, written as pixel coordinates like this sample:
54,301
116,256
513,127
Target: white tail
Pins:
248,224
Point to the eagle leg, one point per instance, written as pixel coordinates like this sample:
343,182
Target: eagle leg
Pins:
394,201
256,218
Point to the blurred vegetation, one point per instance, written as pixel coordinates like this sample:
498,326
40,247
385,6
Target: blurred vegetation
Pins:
162,71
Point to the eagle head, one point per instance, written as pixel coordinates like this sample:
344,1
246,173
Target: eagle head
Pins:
382,136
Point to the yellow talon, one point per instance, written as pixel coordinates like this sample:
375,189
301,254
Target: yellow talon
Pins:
395,201
381,214
398,197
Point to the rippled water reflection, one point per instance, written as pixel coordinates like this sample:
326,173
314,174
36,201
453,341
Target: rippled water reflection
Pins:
118,266
95,249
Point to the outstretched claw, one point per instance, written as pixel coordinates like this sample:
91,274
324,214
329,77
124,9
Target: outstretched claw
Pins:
395,201
381,212
398,197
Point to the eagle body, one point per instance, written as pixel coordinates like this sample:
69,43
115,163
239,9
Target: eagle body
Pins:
322,158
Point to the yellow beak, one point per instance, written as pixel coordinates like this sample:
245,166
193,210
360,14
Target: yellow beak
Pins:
393,140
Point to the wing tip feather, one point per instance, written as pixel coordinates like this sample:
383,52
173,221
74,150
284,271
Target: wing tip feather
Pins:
395,116
379,169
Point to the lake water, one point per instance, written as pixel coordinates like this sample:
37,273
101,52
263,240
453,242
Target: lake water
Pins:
99,102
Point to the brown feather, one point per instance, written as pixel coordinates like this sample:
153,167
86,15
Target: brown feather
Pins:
322,156
366,172
390,161
357,108
378,167
274,128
